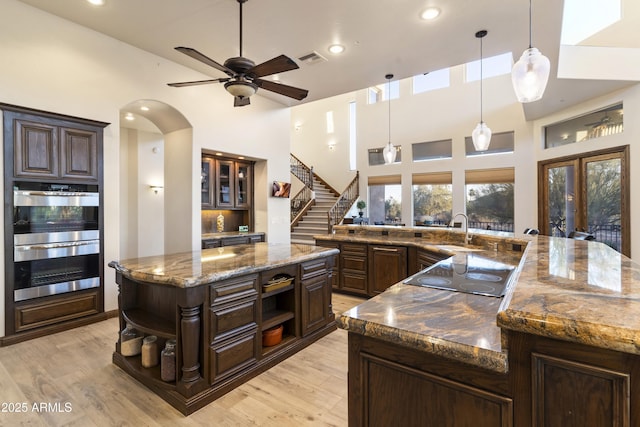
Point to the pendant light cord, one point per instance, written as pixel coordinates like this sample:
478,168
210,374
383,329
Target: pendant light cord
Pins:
389,95
481,79
530,45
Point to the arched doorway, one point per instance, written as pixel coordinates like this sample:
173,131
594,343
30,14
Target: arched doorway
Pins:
156,180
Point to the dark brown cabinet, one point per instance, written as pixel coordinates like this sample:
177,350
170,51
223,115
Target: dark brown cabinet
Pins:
226,184
316,310
45,151
406,387
217,242
387,266
353,268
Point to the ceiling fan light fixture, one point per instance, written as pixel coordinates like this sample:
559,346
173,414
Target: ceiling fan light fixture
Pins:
240,88
531,73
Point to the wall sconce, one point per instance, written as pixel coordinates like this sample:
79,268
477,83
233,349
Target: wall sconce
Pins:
332,144
156,188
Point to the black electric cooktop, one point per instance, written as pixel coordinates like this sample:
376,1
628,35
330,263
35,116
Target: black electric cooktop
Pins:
468,273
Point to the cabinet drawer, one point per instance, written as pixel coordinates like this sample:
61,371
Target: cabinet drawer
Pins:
313,268
354,249
49,312
213,243
355,263
232,319
231,356
232,241
234,289
354,283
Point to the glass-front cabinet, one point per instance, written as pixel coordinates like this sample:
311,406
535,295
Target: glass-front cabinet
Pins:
225,184
205,182
243,185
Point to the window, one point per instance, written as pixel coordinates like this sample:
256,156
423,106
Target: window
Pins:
491,67
501,142
378,93
432,198
376,157
385,199
431,81
604,122
490,198
431,150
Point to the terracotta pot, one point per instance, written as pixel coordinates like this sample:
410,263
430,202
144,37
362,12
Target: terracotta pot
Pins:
272,336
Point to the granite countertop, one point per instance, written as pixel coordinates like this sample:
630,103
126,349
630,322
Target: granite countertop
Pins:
224,234
197,268
566,289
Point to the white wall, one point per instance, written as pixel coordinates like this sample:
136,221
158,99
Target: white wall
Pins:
54,65
453,113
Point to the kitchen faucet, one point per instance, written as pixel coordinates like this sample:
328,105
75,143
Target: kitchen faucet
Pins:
467,238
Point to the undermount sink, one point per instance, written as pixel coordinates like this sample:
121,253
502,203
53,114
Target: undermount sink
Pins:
459,248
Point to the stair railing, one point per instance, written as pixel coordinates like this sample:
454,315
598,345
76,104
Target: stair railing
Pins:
344,203
305,198
301,171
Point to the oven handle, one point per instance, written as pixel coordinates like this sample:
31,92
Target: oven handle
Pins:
58,245
55,193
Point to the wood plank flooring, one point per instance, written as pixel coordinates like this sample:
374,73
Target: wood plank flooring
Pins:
67,379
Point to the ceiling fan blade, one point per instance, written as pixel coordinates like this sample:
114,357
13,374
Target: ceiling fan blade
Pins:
290,91
204,59
279,64
241,102
197,82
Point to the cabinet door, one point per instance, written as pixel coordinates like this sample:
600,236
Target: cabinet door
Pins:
427,259
353,263
387,266
36,150
225,184
315,306
206,183
79,153
244,178
335,271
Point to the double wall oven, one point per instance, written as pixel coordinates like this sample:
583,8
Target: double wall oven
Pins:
56,239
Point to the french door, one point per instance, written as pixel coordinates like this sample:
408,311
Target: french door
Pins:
589,193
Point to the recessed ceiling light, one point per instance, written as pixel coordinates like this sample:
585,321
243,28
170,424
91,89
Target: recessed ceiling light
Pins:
129,117
430,13
336,48
144,108
96,2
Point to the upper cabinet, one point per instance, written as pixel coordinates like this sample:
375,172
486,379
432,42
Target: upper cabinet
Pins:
43,150
226,184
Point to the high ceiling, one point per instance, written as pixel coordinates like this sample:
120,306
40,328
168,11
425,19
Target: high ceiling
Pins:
380,37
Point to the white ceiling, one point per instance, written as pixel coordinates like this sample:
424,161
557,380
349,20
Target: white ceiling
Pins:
381,36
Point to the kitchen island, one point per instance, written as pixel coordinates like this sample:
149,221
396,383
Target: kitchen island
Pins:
216,303
561,348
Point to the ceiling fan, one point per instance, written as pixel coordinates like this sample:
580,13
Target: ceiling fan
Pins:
244,75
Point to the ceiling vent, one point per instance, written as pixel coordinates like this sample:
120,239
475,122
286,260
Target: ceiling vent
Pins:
312,58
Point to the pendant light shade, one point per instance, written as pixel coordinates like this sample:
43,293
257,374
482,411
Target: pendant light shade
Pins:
481,135
389,151
531,73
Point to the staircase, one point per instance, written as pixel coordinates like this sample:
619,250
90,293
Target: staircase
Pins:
315,220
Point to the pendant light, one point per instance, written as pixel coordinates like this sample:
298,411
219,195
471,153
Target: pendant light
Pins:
481,135
389,151
531,73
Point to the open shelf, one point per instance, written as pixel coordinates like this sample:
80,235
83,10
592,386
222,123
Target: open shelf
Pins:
277,291
275,317
286,340
149,323
133,364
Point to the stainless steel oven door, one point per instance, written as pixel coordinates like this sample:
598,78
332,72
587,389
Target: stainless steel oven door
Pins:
54,198
55,250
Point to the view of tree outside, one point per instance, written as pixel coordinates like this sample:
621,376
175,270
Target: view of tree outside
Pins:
490,206
561,202
385,203
604,201
432,204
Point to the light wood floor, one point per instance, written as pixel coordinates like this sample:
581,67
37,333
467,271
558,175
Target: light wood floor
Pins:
71,374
